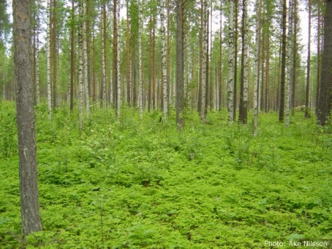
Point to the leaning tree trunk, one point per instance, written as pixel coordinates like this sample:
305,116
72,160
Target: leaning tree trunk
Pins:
163,57
231,62
31,221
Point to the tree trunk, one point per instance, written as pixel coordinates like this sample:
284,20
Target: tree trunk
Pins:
257,64
48,59
31,221
231,62
318,57
72,56
128,55
139,72
235,59
283,65
243,111
163,58
294,58
204,62
118,98
179,63
37,93
85,63
103,58
288,62
324,103
54,54
306,113
81,65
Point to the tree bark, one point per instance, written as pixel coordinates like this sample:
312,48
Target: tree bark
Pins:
31,221
231,63
179,63
48,60
283,65
306,113
163,58
324,103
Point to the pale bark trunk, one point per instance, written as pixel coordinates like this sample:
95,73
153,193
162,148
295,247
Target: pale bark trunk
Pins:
118,101
85,64
230,91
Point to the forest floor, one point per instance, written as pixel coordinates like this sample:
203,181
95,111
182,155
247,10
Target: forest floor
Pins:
144,184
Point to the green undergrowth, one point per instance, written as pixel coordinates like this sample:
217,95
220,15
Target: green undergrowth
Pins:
131,183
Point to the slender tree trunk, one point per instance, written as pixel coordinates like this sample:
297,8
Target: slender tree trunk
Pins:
204,62
31,221
72,56
235,59
48,60
103,58
243,111
168,54
85,63
324,103
220,65
179,63
267,70
163,58
318,57
307,94
139,72
200,83
119,89
115,50
257,64
283,65
294,58
128,55
81,65
54,53
288,62
231,63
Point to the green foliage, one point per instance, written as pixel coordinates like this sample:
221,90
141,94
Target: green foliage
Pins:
144,184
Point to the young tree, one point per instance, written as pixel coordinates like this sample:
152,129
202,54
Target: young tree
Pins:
324,103
288,62
139,72
81,65
118,98
103,56
31,221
